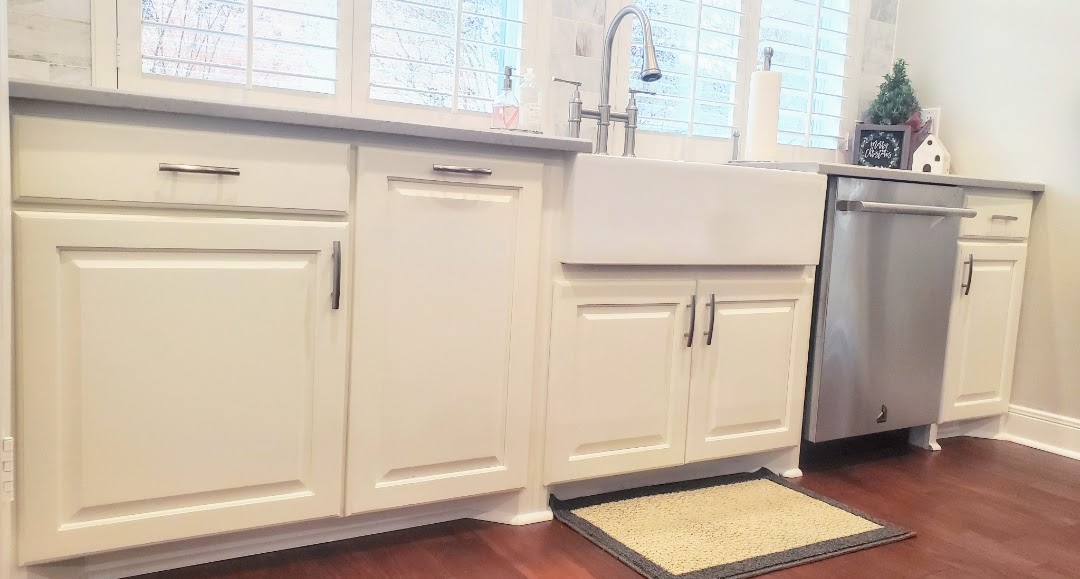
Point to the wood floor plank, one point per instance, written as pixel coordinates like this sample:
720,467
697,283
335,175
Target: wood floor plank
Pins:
981,509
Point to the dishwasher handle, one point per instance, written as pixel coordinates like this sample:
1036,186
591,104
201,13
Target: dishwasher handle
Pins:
904,209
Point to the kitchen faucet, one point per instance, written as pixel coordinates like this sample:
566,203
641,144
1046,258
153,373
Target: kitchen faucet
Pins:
650,72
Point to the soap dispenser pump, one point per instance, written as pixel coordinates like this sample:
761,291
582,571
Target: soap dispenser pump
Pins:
505,111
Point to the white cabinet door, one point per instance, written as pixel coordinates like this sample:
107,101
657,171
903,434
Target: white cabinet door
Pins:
982,329
447,274
619,374
749,370
177,377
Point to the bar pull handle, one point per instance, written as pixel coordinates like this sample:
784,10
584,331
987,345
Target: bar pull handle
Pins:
199,169
712,320
693,321
1005,218
335,294
461,170
904,209
971,273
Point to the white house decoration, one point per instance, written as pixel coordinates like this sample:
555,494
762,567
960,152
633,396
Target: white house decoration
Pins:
932,157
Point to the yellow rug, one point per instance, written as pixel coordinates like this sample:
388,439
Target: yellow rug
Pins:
734,526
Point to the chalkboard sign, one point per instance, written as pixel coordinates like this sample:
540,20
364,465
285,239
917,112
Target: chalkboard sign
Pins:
886,146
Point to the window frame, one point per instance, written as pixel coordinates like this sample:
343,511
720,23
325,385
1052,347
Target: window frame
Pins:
713,149
129,75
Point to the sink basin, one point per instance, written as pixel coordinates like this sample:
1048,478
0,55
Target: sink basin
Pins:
633,211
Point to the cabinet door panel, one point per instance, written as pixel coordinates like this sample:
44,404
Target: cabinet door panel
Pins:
982,330
179,377
446,276
618,378
746,390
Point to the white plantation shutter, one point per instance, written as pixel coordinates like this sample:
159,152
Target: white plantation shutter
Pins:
286,44
444,53
704,48
810,40
697,46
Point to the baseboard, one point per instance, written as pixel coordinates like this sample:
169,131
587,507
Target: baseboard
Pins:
1043,430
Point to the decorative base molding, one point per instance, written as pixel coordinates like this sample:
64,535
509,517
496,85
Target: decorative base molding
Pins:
530,518
153,558
1043,430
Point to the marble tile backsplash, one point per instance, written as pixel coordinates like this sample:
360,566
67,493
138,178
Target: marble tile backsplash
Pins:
879,36
49,40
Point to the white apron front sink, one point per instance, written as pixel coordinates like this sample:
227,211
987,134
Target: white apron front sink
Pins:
632,211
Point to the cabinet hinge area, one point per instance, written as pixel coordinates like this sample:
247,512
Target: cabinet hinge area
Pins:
7,469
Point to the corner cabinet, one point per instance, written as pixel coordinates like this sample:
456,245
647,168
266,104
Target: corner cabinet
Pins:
658,373
985,314
179,376
982,329
446,274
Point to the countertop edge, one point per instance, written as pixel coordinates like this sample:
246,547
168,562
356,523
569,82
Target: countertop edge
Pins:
116,99
857,171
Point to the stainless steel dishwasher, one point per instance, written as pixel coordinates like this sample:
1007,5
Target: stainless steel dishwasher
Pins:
881,309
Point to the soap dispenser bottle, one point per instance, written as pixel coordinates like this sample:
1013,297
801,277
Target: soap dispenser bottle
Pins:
505,111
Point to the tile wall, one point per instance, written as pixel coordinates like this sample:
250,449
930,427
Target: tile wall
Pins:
49,40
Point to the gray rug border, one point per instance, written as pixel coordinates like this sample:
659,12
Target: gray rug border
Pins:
888,533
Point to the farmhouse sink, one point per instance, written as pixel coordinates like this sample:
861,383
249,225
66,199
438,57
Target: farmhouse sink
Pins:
632,211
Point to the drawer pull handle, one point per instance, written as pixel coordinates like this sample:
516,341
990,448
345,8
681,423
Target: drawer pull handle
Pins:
335,294
200,169
1005,218
461,170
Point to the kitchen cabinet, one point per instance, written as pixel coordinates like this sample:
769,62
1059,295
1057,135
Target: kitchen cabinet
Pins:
658,373
178,376
749,370
983,327
619,377
442,367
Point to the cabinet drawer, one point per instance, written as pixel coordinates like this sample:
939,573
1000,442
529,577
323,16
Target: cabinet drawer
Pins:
1004,214
64,159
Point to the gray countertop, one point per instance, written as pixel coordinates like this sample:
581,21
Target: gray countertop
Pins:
856,171
141,102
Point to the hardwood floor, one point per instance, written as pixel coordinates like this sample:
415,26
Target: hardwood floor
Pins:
981,509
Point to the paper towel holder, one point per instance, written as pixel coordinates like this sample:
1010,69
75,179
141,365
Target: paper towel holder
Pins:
767,64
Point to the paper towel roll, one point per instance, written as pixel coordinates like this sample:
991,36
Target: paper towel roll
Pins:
763,117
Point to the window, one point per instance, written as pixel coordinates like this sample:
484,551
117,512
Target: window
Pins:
810,39
443,53
704,48
697,46
286,44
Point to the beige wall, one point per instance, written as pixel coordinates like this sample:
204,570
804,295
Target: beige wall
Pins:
1005,75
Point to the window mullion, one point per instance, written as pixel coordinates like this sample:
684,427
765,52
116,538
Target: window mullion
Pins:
813,71
694,70
249,72
457,57
748,62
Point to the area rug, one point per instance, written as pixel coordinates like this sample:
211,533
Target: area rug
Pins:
724,527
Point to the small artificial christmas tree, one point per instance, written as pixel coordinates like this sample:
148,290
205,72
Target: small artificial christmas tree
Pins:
895,103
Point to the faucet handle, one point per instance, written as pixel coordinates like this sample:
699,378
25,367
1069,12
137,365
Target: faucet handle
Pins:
637,91
564,81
